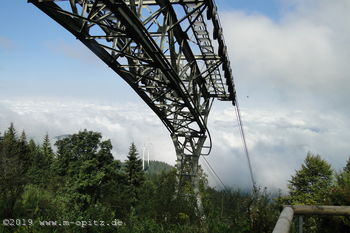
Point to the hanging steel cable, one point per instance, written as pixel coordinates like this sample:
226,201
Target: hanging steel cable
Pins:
213,172
245,147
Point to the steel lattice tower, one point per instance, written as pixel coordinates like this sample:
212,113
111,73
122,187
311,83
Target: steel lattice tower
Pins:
164,51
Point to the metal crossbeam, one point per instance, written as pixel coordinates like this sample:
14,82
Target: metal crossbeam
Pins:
164,51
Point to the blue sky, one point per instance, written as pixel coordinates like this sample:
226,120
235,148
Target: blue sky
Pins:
42,59
291,70
271,8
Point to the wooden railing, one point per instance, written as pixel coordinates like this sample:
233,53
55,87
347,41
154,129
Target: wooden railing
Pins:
285,219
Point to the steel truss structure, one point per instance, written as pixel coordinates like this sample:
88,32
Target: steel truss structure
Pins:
164,51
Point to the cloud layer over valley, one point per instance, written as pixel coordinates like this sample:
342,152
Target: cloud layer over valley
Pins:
291,75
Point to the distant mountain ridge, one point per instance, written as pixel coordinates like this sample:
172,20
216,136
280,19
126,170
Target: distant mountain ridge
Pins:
157,167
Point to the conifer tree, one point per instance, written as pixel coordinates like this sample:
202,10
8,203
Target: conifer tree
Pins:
347,166
23,138
13,169
46,147
135,174
41,161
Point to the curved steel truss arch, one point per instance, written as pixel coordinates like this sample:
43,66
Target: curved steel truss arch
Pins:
164,51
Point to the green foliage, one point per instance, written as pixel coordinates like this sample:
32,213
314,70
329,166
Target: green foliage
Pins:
310,184
40,159
347,166
340,195
314,184
88,168
37,203
157,167
237,211
135,175
82,181
341,191
13,167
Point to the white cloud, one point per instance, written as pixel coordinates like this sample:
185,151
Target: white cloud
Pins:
123,124
294,76
277,141
302,58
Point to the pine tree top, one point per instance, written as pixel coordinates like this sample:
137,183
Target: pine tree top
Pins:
347,166
133,154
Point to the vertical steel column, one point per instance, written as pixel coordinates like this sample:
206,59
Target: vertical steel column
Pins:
188,150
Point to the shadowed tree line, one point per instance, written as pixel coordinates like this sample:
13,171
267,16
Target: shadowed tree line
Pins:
81,182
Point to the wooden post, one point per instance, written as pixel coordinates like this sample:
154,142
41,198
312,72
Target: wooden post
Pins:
284,221
300,223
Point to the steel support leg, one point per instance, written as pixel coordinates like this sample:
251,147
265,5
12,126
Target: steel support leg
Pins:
188,150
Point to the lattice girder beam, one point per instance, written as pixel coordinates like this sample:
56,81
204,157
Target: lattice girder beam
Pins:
133,76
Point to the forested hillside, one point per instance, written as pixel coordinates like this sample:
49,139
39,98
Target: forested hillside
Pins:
157,167
80,187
